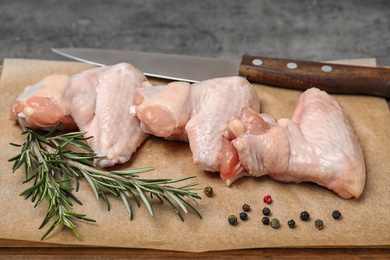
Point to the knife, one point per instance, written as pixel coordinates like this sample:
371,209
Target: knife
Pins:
293,74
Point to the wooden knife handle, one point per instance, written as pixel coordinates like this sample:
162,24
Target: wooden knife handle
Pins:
333,78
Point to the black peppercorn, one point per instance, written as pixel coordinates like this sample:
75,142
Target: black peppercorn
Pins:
304,215
243,216
246,207
266,211
291,223
232,220
336,214
319,224
265,220
275,223
208,191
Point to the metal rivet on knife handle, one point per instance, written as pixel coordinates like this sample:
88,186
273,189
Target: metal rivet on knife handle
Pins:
257,62
343,79
292,65
326,68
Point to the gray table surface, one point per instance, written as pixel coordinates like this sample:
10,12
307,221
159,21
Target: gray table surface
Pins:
302,29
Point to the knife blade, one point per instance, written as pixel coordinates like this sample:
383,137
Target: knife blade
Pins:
287,73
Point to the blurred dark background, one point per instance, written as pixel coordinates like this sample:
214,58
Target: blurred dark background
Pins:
301,29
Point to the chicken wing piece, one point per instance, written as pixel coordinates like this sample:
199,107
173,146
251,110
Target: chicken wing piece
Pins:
317,145
43,106
163,110
96,101
323,146
261,144
213,102
100,99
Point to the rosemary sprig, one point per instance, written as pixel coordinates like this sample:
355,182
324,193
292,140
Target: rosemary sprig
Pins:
54,163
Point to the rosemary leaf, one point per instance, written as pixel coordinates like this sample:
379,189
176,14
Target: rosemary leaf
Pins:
48,231
193,208
91,183
178,200
144,198
133,171
174,207
124,199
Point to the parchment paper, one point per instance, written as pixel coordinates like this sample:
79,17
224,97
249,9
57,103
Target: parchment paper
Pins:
365,221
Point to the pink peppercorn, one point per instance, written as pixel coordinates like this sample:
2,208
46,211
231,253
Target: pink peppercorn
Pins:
267,199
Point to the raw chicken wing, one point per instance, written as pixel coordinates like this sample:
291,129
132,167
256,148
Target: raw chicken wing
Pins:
163,110
43,106
213,102
100,99
317,145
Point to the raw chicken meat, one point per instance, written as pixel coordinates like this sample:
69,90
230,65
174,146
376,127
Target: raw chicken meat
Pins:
213,102
100,99
250,138
41,105
195,114
218,117
316,145
97,101
163,110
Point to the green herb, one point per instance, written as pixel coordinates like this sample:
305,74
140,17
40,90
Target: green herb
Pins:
53,165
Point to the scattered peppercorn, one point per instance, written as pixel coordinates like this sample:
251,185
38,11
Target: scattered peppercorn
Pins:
291,223
275,223
246,207
319,224
243,216
304,215
267,199
232,220
265,220
336,214
266,211
208,191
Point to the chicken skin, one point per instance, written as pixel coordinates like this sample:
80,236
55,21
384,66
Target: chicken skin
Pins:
100,100
163,110
42,105
317,145
213,102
